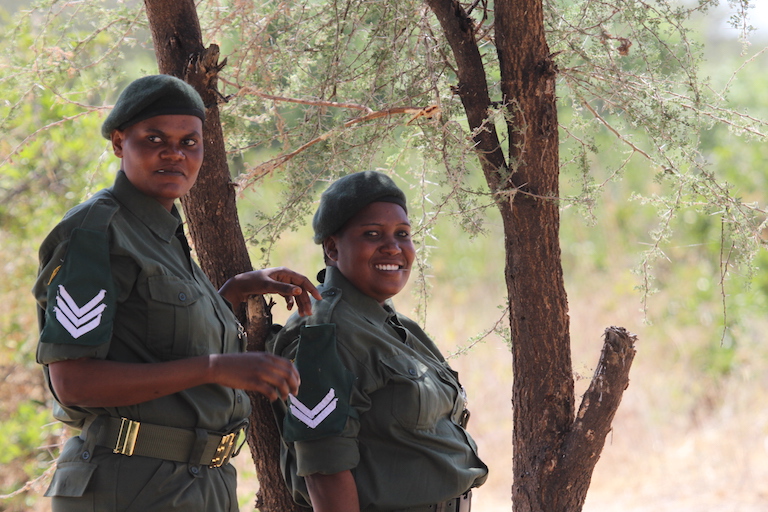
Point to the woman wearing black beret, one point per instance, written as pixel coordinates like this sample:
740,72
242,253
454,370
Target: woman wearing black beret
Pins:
143,356
379,422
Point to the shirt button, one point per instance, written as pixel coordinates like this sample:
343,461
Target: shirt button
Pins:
194,470
239,398
411,371
182,296
86,455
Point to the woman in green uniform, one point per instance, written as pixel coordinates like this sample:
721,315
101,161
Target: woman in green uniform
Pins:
379,421
142,354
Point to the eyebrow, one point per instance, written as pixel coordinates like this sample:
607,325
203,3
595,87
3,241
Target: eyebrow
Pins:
381,224
158,131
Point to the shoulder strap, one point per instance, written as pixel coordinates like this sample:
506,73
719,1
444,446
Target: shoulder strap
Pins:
100,214
323,309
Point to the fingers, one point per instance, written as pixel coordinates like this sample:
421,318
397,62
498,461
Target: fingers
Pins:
295,282
268,374
295,287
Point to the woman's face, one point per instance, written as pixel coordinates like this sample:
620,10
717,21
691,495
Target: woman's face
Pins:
161,155
374,250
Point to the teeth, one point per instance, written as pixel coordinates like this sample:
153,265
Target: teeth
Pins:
387,267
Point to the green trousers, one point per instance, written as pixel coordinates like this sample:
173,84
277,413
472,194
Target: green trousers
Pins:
92,478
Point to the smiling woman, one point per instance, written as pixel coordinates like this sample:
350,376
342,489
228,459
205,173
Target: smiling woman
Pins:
379,421
374,250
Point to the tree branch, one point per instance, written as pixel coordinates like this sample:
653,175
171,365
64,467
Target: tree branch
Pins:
582,445
257,172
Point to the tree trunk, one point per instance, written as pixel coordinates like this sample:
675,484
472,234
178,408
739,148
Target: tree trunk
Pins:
554,452
212,218
543,394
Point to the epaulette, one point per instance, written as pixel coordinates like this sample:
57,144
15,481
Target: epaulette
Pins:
100,214
322,310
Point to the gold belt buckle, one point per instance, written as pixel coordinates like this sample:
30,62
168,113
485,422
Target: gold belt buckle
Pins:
224,450
126,437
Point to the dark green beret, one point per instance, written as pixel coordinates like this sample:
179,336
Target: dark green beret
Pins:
350,194
150,96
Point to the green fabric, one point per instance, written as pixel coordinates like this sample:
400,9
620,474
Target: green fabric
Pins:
406,446
89,480
81,295
166,309
321,407
151,96
350,194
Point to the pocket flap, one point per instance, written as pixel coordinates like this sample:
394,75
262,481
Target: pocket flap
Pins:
172,290
71,479
405,366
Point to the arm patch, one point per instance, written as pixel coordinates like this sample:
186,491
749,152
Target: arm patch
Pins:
321,407
81,293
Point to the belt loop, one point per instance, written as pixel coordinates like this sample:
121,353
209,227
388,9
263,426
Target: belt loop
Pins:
465,502
201,439
90,435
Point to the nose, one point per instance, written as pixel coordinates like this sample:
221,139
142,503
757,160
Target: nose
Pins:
173,153
390,246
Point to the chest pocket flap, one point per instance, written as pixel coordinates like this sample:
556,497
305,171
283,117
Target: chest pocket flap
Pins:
173,290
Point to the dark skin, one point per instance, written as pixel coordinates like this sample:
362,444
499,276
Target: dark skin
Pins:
374,251
161,156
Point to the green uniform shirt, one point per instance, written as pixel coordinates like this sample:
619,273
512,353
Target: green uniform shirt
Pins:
400,432
117,282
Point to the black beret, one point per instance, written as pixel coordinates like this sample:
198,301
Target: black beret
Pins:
151,96
350,194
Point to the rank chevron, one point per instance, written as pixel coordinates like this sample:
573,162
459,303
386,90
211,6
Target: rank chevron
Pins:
313,417
75,319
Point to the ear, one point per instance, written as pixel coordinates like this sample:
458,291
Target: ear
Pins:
117,138
331,249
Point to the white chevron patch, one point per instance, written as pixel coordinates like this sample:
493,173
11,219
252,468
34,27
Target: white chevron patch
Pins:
75,319
313,417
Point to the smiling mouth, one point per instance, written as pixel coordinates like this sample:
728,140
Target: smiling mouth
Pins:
388,268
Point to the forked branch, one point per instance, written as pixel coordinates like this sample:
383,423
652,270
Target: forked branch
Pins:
583,443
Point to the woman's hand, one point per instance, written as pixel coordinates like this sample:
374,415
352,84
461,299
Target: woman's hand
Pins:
272,376
291,285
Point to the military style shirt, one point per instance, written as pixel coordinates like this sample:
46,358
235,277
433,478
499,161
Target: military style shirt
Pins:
377,398
163,306
117,282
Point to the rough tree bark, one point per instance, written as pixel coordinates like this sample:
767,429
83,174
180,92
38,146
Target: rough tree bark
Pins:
212,218
554,452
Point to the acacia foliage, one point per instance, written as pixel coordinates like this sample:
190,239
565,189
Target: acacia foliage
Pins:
319,89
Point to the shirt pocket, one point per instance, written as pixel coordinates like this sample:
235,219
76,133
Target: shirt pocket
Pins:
176,316
416,395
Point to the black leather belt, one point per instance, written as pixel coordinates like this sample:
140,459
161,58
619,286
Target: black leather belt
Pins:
195,446
461,504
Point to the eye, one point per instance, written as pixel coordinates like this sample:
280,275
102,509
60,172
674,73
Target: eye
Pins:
404,234
154,138
371,233
190,142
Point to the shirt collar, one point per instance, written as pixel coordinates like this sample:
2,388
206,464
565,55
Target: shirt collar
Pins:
149,211
365,305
